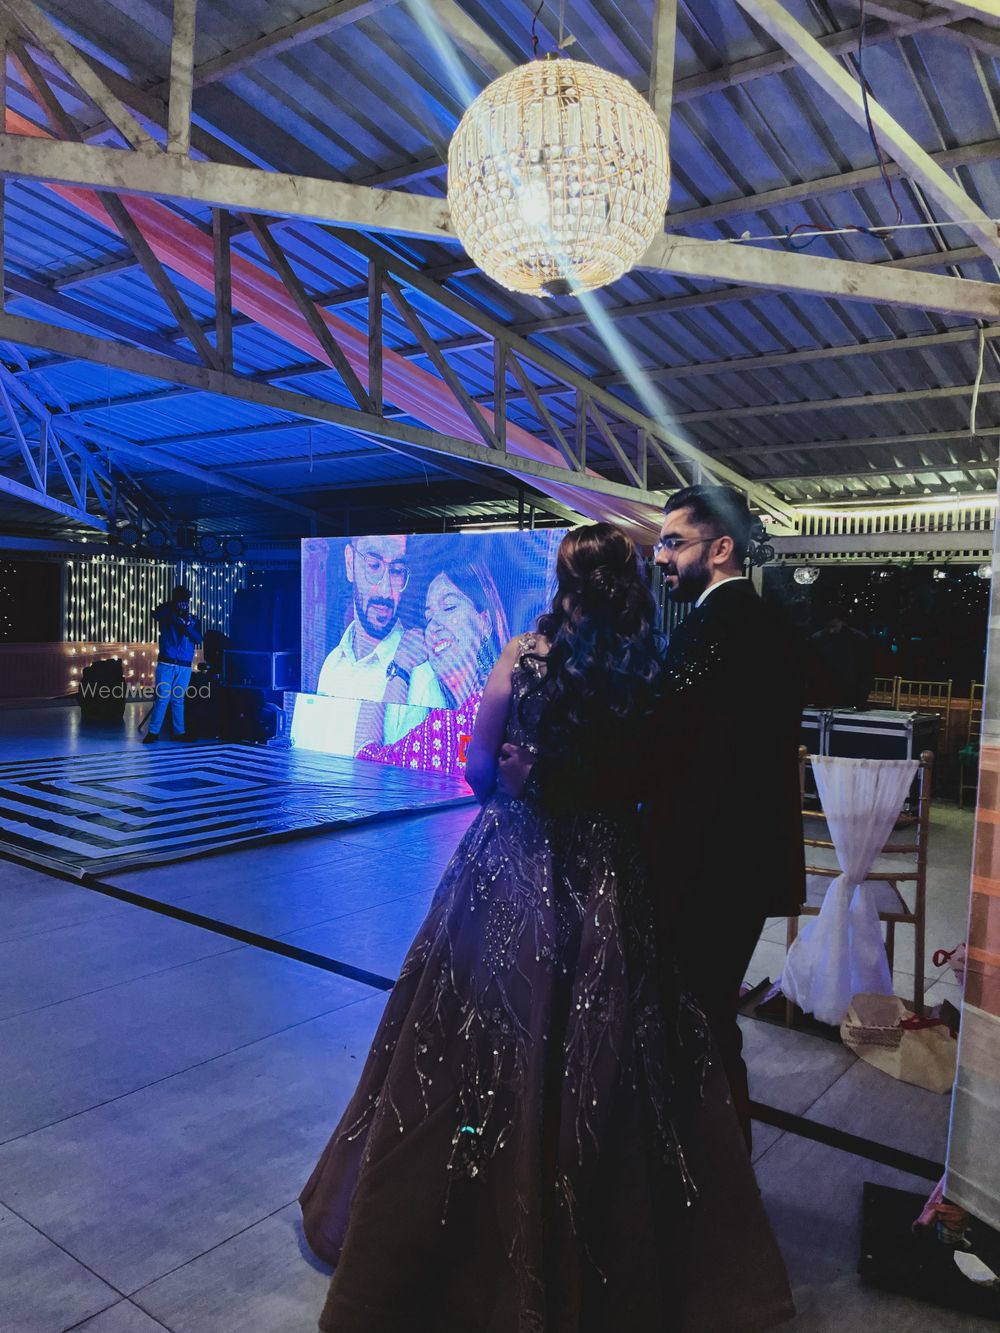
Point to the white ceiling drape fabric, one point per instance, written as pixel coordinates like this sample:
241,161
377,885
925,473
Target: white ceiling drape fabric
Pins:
841,953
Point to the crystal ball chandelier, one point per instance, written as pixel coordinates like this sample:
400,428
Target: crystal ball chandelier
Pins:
558,178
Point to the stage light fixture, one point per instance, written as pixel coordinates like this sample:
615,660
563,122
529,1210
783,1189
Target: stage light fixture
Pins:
129,534
157,539
805,575
233,548
210,547
985,571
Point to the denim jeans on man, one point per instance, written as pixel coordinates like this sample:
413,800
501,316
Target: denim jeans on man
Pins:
170,689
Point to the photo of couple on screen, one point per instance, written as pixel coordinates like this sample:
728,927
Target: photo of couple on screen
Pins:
400,633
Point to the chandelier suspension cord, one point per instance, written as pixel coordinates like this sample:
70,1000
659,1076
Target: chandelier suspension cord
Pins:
534,30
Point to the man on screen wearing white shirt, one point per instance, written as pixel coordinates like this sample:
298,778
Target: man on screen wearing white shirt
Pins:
374,648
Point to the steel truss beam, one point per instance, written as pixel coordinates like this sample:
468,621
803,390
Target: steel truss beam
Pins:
36,24
947,22
778,360
591,411
644,516
112,489
84,347
181,83
53,469
514,356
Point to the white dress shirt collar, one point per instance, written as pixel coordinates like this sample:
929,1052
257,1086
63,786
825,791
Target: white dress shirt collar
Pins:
383,652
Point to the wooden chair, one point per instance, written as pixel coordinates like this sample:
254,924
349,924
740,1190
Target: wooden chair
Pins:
968,760
883,691
892,906
925,696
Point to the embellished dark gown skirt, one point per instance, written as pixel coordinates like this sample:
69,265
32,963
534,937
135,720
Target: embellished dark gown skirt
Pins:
541,1140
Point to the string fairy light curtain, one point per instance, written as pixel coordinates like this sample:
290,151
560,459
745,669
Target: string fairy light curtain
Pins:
110,599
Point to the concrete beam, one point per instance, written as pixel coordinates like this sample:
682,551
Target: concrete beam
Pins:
812,275
661,74
181,77
244,189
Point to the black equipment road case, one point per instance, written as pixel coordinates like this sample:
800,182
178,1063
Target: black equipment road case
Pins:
881,733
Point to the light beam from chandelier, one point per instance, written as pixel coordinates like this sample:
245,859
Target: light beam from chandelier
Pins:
654,404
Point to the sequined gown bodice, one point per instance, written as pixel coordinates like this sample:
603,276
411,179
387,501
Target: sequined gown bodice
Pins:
527,701
539,1130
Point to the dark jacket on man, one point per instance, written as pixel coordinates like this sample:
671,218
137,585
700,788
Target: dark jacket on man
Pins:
180,634
724,811
723,820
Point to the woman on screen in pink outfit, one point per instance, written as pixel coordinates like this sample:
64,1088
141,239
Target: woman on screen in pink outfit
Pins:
464,629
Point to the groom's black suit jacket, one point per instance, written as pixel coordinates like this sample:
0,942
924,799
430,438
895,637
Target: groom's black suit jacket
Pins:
723,816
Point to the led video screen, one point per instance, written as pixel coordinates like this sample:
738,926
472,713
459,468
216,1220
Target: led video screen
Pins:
400,633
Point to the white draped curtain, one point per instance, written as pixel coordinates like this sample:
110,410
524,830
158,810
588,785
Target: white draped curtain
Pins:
841,953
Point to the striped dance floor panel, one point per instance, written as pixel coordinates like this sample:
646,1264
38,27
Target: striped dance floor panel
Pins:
91,814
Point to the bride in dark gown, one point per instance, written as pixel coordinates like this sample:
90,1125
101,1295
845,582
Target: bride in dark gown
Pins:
541,1140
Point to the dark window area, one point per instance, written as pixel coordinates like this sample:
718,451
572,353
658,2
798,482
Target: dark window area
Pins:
925,623
29,601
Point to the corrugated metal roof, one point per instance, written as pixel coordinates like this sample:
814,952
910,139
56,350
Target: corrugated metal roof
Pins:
373,98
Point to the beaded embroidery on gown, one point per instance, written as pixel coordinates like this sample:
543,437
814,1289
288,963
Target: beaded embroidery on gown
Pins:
539,1130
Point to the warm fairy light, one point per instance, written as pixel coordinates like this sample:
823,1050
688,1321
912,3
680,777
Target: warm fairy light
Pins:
558,178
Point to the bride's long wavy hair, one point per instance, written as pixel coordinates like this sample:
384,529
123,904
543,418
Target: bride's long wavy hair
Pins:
603,663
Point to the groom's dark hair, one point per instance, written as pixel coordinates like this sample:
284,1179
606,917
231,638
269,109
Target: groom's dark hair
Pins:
721,507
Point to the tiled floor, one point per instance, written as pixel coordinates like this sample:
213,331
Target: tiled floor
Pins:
166,1089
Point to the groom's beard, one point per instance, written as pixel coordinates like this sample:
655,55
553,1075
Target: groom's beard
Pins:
691,584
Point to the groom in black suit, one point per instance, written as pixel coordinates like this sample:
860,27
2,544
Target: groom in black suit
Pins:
724,823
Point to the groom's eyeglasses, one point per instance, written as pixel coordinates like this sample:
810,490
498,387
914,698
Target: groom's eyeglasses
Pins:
376,565
674,544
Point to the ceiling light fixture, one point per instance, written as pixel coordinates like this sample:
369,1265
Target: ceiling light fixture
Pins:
558,178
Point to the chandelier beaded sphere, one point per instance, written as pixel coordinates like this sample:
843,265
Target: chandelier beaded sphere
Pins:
558,178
